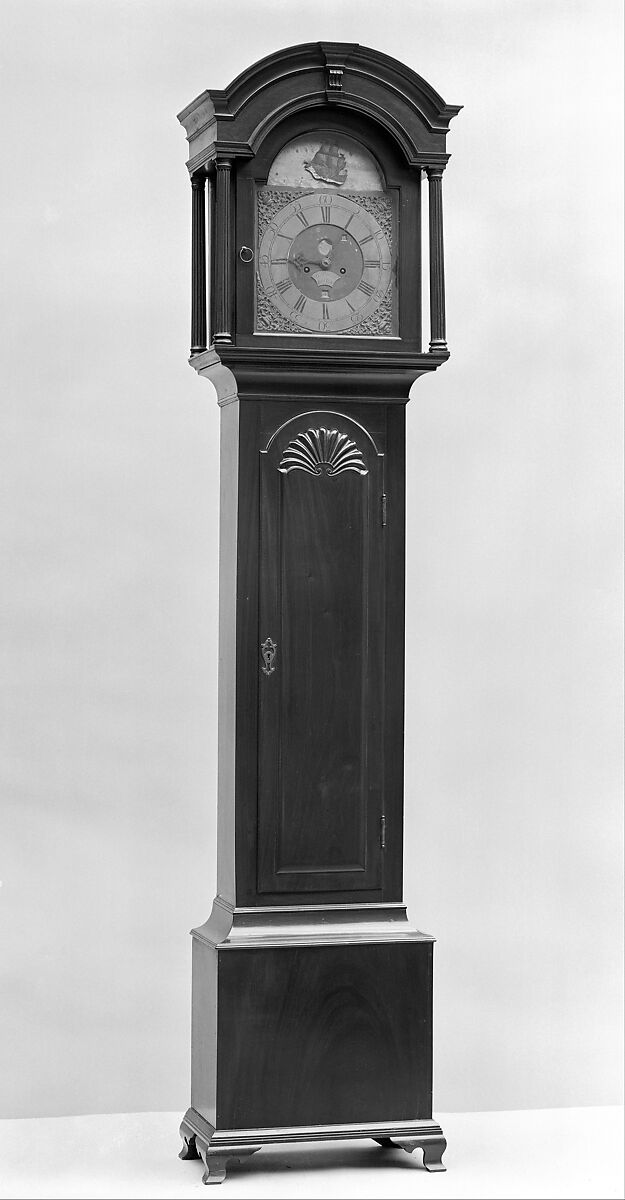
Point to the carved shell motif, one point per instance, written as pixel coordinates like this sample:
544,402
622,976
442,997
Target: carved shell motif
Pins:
320,450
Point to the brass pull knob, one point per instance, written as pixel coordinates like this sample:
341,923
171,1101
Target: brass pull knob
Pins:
246,254
268,651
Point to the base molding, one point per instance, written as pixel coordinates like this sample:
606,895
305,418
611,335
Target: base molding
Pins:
231,928
216,1146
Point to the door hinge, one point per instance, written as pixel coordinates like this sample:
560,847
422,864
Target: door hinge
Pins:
383,506
383,832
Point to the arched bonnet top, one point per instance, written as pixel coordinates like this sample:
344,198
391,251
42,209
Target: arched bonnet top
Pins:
319,76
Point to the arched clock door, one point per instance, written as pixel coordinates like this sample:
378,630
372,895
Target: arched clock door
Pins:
324,218
321,822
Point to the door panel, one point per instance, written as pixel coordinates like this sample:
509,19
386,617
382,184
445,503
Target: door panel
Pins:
321,607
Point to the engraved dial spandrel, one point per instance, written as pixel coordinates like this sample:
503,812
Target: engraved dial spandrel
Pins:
325,261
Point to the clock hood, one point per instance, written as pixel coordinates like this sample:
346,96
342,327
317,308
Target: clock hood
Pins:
314,76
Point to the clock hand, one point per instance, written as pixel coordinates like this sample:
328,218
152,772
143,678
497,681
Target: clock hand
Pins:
300,262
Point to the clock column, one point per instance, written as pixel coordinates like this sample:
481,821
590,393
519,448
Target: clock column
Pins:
438,339
198,263
223,253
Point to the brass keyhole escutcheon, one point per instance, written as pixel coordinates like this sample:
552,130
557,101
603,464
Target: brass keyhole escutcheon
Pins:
268,651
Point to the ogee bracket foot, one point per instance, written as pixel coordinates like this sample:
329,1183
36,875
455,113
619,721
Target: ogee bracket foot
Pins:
215,1161
432,1151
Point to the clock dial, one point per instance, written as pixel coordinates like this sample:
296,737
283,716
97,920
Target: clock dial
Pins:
325,261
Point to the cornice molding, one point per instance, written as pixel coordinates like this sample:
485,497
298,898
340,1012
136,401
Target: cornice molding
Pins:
237,119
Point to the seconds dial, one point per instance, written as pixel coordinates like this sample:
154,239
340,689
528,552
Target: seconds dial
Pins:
324,262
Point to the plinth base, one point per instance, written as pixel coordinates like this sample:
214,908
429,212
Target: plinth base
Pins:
218,1146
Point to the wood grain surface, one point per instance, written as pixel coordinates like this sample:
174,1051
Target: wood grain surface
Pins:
321,597
321,1035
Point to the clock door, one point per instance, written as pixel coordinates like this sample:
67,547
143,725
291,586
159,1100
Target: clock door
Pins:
321,658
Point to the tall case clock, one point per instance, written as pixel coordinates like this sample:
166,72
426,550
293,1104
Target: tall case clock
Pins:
312,992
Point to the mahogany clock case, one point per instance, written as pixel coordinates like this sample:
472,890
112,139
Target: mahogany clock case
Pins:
312,993
318,750
296,1036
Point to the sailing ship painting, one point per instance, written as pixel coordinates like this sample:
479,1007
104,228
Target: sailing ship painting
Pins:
328,165
325,160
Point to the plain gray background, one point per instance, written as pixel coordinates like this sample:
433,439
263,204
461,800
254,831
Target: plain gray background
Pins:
109,476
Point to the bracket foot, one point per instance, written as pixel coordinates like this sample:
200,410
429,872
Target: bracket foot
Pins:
432,1155
432,1151
216,1161
189,1148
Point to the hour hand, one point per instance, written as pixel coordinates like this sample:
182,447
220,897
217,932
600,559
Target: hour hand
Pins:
300,262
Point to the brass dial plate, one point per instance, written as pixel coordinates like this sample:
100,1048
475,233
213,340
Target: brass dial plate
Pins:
324,261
